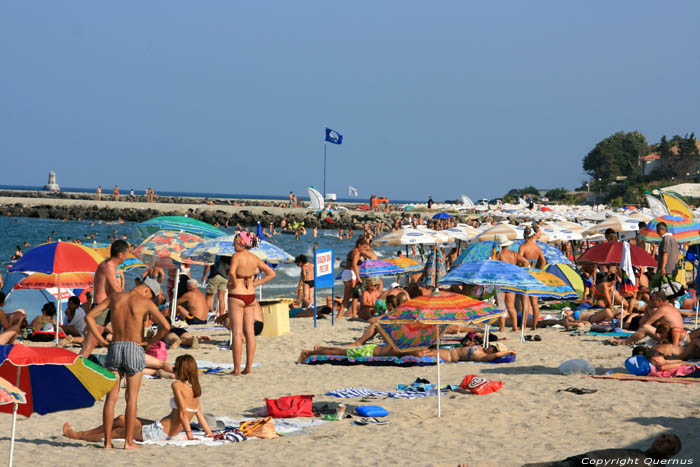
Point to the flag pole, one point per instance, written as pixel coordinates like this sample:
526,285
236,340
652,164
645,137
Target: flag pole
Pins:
324,170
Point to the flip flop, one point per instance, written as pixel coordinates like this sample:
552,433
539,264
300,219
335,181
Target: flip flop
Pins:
537,338
578,391
370,421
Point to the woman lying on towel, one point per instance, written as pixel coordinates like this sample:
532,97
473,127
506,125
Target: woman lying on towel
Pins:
473,353
688,346
184,404
672,368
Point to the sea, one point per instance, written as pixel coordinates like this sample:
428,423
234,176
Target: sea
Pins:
14,231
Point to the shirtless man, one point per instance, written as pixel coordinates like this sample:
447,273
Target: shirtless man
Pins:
511,257
664,313
105,283
126,354
533,254
305,289
192,306
99,192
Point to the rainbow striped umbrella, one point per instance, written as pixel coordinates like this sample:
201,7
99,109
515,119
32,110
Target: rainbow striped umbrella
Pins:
53,380
379,267
103,249
407,264
67,280
684,230
164,248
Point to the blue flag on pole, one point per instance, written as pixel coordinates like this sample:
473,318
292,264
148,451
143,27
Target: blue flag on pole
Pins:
333,136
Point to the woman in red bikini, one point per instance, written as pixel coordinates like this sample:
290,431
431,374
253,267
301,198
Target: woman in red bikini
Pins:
241,298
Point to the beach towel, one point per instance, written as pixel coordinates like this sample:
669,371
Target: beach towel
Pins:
349,393
626,377
387,361
610,334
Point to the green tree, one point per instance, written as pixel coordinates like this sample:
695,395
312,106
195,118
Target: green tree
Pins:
557,194
529,190
616,155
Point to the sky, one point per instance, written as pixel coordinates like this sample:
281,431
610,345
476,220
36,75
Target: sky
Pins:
432,98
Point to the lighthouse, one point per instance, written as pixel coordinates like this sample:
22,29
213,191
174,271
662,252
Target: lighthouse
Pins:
52,185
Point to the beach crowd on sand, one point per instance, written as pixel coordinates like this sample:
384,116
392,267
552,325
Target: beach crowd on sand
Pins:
651,313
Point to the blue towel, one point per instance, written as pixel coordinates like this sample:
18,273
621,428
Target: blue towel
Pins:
611,334
347,393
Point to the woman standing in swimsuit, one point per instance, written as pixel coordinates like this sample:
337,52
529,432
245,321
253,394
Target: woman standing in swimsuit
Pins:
241,298
351,275
531,251
184,406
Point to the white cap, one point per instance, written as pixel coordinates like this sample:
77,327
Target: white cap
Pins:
395,285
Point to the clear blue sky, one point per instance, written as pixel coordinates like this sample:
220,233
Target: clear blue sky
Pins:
432,98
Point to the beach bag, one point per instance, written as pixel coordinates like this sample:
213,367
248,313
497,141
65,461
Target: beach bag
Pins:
290,406
158,350
479,385
261,428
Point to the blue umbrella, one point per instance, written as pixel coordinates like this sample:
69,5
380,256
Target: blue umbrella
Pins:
480,251
259,232
442,215
208,250
491,272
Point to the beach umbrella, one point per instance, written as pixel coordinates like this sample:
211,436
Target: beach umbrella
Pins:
10,394
618,223
480,251
407,264
442,215
567,274
684,230
164,249
208,250
553,286
491,272
611,253
438,309
492,232
53,380
378,267
568,225
434,270
408,236
178,224
463,232
103,249
67,280
58,259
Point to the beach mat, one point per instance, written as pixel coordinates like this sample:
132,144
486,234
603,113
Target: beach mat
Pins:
386,361
656,379
610,334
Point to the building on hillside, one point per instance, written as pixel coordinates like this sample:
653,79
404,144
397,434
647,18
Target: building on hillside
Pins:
650,162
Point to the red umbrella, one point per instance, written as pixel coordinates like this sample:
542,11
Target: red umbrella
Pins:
611,253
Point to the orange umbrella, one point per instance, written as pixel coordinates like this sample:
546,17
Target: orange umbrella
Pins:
68,280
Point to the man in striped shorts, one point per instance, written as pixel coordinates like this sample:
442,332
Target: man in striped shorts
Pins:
126,354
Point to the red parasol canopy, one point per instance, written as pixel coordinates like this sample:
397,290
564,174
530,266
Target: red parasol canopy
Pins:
611,253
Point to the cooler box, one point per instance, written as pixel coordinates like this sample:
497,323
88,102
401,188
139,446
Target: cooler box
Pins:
276,317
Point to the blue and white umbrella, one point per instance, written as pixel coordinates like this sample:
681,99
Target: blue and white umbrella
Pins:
208,250
491,272
179,224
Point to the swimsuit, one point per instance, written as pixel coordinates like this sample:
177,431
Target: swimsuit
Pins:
246,299
380,306
471,350
173,405
246,280
577,314
126,357
366,350
310,283
348,275
194,320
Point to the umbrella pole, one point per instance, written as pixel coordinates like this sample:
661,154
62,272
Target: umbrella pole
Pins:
696,314
523,321
14,423
173,306
58,309
437,332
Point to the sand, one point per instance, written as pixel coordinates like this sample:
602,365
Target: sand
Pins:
526,421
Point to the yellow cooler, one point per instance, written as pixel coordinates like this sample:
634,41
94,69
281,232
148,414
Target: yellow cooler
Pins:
276,317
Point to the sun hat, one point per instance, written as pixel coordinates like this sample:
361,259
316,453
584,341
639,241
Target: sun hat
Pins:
499,346
503,240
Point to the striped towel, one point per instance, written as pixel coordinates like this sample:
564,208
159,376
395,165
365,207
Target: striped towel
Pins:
349,393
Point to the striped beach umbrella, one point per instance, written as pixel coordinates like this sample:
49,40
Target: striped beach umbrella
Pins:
208,250
52,379
684,230
378,267
552,286
103,249
67,280
179,224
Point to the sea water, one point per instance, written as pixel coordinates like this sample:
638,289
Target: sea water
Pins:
14,231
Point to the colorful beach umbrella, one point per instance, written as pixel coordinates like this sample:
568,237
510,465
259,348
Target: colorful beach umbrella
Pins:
567,274
442,215
164,248
553,286
378,267
67,280
491,272
407,264
611,253
179,224
11,394
552,254
103,249
53,380
618,223
475,252
492,232
407,236
438,310
208,250
58,259
684,230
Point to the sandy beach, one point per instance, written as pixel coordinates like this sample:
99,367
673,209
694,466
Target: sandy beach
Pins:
526,421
